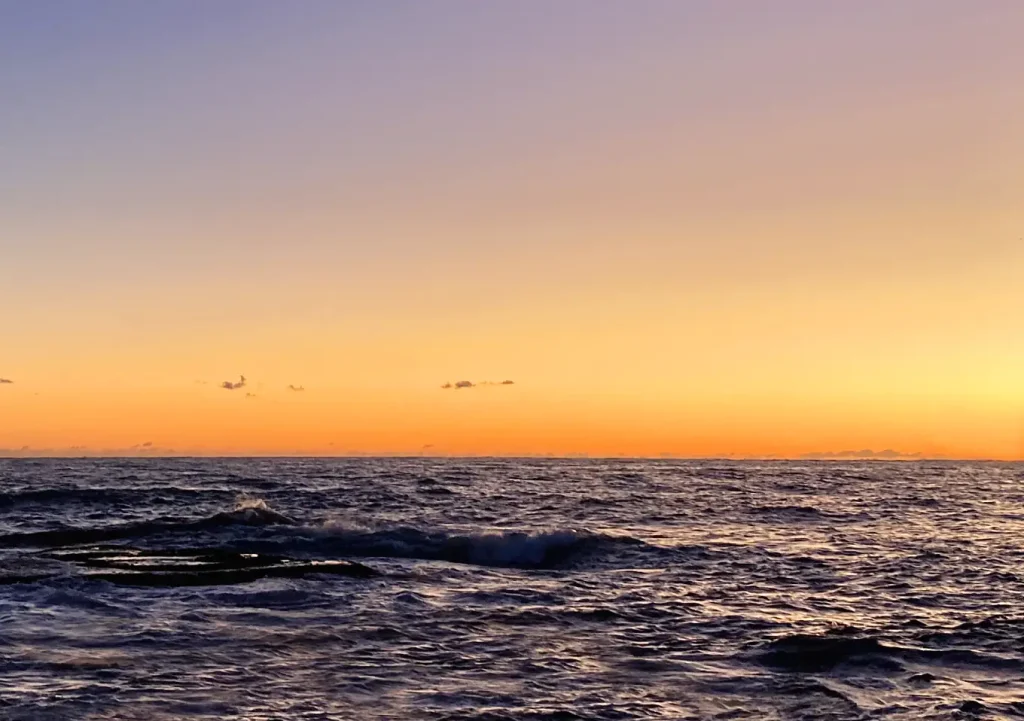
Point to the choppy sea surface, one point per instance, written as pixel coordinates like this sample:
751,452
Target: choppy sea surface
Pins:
510,589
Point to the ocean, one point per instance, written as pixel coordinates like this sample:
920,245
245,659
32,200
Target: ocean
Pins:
510,589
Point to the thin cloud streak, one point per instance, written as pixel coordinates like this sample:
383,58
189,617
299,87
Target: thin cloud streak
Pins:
867,453
459,385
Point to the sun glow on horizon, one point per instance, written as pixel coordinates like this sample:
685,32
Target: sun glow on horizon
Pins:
691,230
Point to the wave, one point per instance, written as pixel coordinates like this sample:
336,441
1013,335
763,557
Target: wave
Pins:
802,513
509,549
61,496
788,510
811,653
253,526
248,512
171,568
12,499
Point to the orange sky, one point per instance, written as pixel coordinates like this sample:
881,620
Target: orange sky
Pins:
680,228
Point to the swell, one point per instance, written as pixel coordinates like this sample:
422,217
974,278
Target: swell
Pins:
814,653
64,496
243,515
509,549
176,568
255,527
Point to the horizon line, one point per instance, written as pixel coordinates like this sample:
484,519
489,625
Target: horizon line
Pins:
537,456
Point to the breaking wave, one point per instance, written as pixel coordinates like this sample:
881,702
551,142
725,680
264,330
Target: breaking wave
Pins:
252,525
510,549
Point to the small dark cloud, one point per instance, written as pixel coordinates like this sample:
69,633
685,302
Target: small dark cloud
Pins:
470,384
250,395
866,453
5,381
229,386
296,389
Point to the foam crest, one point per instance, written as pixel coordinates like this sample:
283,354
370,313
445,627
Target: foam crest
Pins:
251,511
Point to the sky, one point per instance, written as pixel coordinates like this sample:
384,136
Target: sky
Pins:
678,228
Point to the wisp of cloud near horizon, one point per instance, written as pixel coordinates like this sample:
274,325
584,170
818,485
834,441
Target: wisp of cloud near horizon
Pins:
459,385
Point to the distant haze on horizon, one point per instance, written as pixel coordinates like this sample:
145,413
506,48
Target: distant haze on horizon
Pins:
585,227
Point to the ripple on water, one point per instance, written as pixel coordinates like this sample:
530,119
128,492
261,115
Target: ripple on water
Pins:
509,589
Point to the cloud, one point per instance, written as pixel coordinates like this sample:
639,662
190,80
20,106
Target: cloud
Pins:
229,386
4,381
470,384
250,395
867,453
14,452
296,389
148,449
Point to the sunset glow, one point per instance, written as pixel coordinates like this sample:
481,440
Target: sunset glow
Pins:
679,229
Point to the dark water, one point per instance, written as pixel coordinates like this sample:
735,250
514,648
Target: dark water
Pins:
506,589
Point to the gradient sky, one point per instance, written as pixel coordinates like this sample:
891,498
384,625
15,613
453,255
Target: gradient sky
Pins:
697,228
